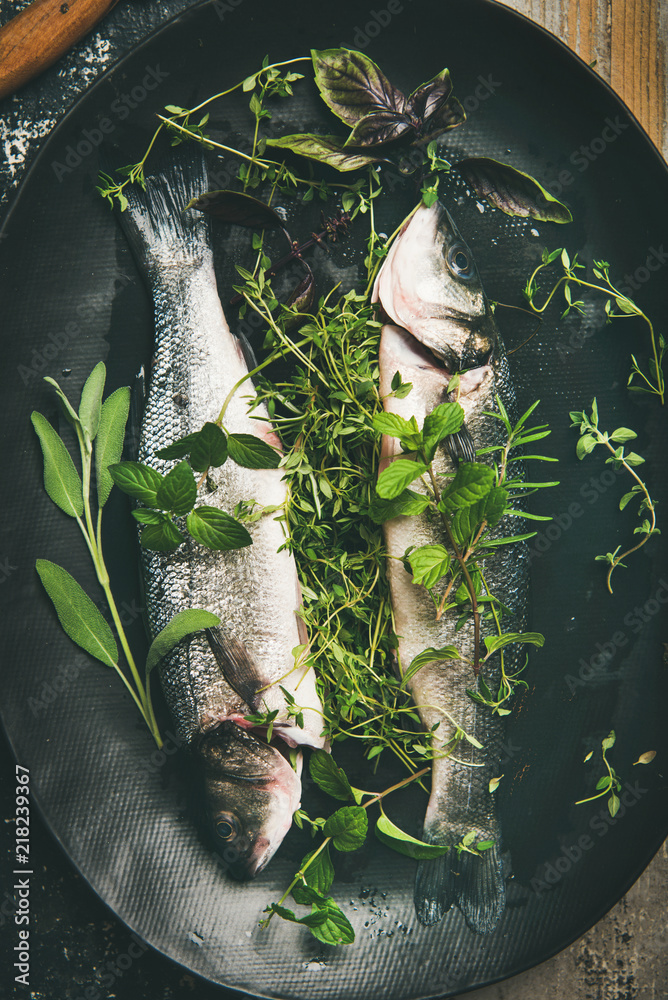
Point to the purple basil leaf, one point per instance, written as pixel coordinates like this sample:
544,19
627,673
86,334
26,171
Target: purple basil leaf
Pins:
511,190
352,85
449,115
301,298
431,96
379,127
238,208
327,149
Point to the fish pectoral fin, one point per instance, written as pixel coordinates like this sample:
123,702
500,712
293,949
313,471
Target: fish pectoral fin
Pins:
461,445
239,669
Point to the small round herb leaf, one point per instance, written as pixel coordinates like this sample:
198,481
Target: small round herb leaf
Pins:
216,529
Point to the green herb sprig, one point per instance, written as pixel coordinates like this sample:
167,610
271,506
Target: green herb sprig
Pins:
610,782
590,437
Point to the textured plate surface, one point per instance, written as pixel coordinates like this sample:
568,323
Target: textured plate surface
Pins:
71,296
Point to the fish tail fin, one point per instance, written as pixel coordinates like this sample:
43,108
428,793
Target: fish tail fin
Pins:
474,883
155,221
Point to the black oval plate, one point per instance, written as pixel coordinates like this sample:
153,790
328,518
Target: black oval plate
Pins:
71,296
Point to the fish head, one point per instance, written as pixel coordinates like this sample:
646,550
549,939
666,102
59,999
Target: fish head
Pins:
250,794
429,285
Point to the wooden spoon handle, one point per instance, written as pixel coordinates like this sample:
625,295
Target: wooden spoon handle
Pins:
40,34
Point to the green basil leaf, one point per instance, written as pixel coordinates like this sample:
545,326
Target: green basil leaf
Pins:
80,619
90,406
109,440
429,563
178,490
139,481
399,474
403,843
407,504
62,482
163,537
329,777
252,452
182,624
216,529
347,827
328,149
511,190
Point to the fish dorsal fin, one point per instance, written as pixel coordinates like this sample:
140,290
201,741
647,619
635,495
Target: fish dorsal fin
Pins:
241,672
461,445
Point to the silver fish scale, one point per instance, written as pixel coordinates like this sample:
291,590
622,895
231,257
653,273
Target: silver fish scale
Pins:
254,590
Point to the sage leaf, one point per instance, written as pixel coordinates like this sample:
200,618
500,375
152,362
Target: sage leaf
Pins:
182,624
162,537
431,655
347,827
328,149
494,642
328,776
109,440
178,490
77,614
216,529
62,482
403,843
351,85
511,190
397,476
429,563
90,405
252,452
407,504
139,481
320,873
70,413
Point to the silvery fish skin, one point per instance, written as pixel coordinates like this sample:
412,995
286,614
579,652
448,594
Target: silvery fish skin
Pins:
213,680
429,284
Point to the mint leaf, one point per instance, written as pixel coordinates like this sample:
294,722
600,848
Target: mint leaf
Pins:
397,476
329,777
403,843
182,624
209,448
335,928
178,490
407,504
62,482
347,827
393,425
109,440
178,449
80,619
216,529
494,642
252,452
444,420
427,656
139,481
429,563
163,537
320,873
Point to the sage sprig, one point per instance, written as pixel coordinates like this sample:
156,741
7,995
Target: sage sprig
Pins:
100,429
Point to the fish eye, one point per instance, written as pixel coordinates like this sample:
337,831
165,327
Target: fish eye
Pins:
227,827
460,262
